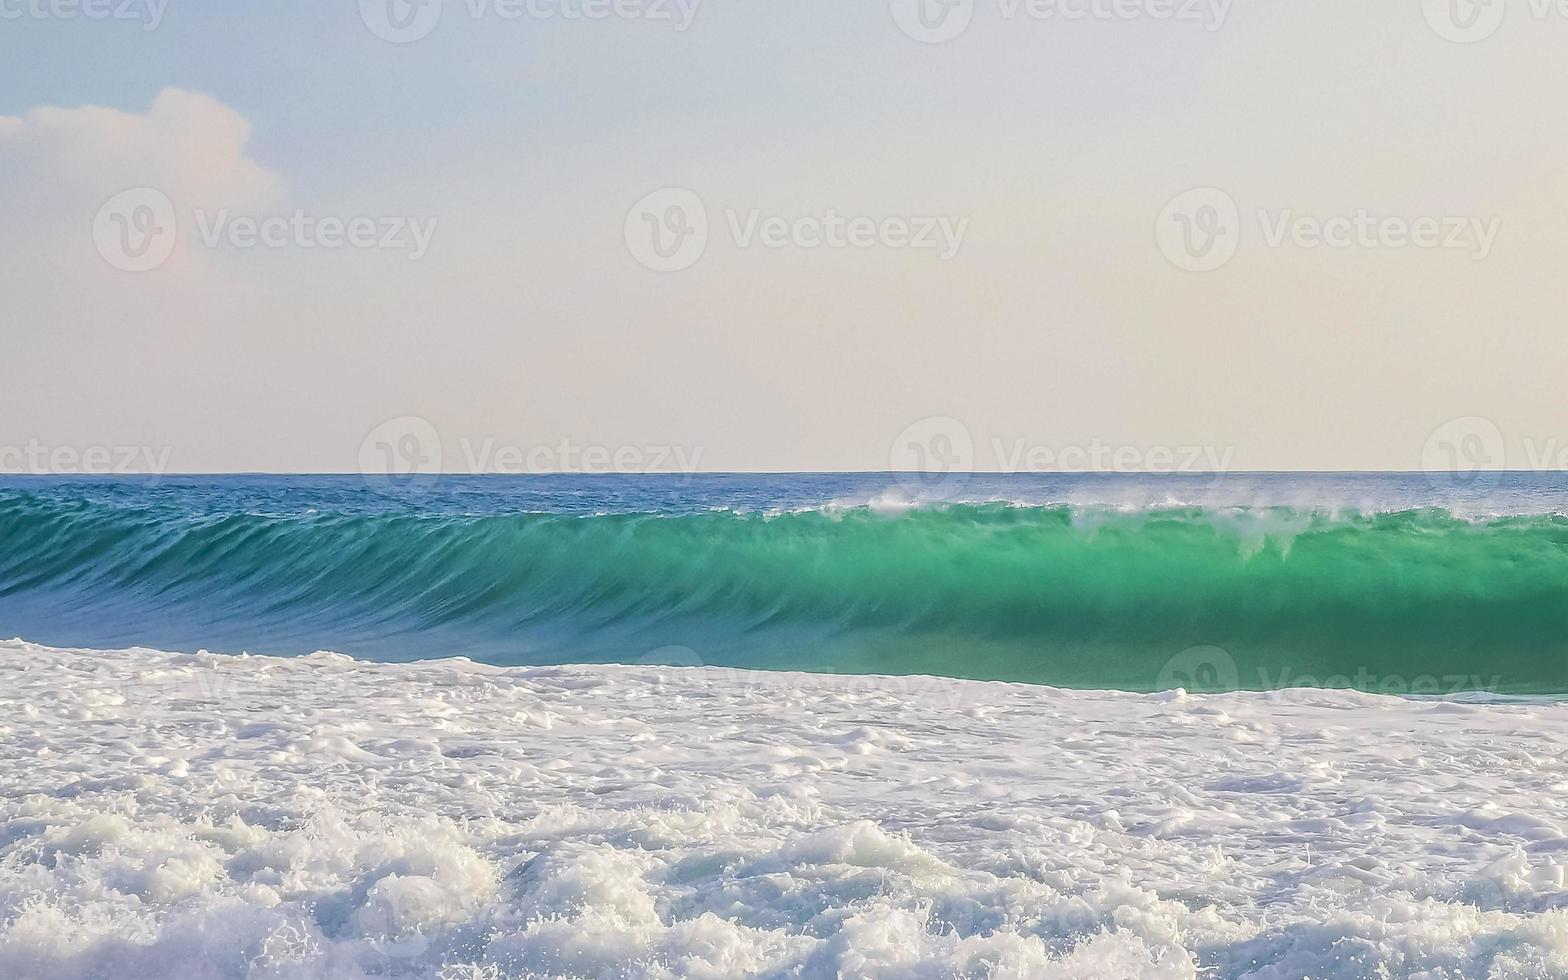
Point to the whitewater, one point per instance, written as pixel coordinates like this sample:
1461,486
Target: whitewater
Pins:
208,816
1381,582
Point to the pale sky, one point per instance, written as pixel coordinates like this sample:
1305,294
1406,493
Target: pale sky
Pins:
1037,156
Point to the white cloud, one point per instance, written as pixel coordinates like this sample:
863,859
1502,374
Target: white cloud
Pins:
59,165
105,354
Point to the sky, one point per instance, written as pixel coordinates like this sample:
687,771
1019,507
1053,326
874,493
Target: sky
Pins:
500,235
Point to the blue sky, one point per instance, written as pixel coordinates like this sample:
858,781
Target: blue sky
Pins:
1056,142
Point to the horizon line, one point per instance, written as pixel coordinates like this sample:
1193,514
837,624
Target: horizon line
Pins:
678,474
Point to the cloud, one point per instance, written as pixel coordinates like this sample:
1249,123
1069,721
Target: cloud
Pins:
58,166
85,334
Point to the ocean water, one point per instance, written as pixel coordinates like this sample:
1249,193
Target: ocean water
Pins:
595,792
1403,583
322,818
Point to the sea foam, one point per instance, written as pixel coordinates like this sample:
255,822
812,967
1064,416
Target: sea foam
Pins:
166,815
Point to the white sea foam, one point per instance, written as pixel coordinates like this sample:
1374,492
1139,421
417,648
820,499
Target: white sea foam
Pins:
212,817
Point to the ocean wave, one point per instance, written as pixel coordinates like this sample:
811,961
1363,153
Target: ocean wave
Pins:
1083,596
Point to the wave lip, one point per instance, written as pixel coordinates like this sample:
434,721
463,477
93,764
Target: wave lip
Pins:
1066,594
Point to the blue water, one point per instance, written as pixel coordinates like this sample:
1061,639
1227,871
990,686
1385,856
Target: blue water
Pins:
1088,581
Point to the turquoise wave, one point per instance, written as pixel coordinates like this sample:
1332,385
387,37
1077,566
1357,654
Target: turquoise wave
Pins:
1419,600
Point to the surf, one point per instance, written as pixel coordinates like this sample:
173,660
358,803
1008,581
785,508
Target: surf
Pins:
1069,595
